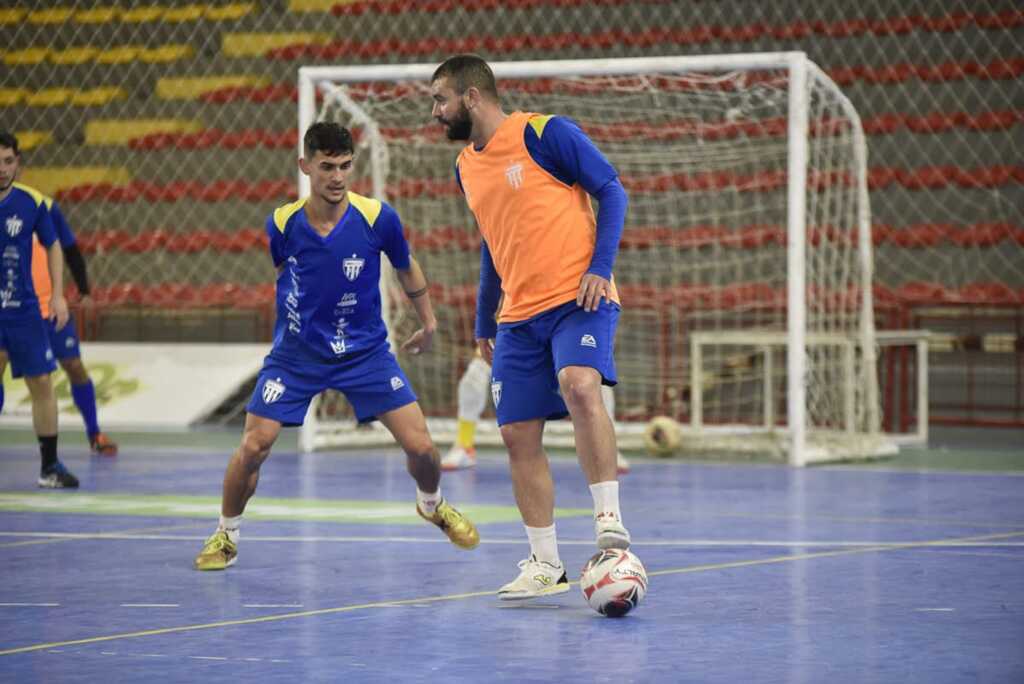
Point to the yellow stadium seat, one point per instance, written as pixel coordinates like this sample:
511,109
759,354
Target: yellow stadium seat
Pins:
229,12
28,140
316,5
32,56
75,55
97,15
142,15
121,131
12,96
50,180
52,15
122,54
98,96
166,53
12,16
193,88
184,13
257,44
49,97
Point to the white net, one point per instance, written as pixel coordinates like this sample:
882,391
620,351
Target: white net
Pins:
704,157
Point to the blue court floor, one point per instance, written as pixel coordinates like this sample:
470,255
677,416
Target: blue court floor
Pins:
758,573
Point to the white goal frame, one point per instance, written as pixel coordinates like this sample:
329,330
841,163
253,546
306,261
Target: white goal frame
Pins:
800,70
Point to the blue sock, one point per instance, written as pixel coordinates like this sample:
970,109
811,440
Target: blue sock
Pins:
85,400
1,397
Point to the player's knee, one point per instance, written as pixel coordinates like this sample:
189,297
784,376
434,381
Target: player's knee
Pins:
581,392
519,437
40,387
255,448
75,370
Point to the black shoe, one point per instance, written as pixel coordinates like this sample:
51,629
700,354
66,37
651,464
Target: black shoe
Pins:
57,477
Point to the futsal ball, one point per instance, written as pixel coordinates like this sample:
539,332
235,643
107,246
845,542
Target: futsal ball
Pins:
662,436
613,582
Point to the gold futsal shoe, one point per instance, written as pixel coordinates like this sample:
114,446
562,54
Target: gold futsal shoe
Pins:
458,527
218,553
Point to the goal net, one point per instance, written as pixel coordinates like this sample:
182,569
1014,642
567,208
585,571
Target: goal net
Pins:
748,229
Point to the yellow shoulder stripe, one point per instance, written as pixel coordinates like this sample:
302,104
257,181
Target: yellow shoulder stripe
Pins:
282,214
539,122
36,195
368,207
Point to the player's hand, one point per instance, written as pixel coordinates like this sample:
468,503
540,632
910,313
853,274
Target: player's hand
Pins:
87,303
59,310
420,341
486,347
593,288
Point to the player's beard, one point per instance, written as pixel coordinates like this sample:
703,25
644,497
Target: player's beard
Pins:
7,185
461,127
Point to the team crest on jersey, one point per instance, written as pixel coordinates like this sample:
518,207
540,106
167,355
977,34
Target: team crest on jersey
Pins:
396,383
514,175
496,391
272,390
352,266
14,225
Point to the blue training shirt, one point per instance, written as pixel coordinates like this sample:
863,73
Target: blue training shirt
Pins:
23,213
60,225
328,293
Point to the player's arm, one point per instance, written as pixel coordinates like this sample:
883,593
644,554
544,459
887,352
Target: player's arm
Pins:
415,285
487,297
568,154
73,256
55,265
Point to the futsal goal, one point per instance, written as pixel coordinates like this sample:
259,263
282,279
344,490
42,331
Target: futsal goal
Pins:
749,211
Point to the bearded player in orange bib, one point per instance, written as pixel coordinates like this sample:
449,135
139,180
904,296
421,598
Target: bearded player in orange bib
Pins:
528,179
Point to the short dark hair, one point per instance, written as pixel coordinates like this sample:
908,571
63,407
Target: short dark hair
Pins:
328,137
10,140
468,71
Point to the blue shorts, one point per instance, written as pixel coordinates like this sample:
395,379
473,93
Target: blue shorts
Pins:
373,383
64,342
529,354
27,343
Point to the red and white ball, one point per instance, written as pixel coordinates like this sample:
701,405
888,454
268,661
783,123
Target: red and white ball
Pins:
614,581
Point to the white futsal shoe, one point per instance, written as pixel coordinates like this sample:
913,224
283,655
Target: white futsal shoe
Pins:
610,532
459,458
536,578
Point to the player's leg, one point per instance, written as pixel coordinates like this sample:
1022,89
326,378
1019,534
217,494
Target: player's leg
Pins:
281,397
474,386
52,473
240,479
30,356
525,395
377,388
67,349
582,345
409,428
608,398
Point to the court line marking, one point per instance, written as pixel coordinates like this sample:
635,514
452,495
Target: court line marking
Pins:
57,537
151,605
727,543
478,594
29,605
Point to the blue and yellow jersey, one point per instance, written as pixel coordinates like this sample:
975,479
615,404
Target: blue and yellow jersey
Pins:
23,214
328,294
529,190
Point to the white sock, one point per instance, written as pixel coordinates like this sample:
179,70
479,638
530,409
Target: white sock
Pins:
606,498
428,502
543,543
231,525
